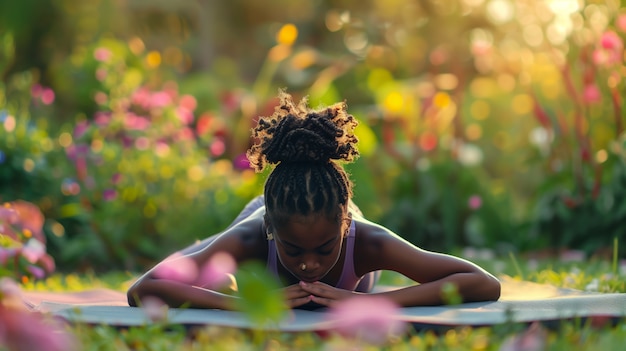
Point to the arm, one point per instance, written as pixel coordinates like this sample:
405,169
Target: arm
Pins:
432,271
379,249
182,287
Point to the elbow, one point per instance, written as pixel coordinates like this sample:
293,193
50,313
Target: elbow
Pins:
134,294
494,289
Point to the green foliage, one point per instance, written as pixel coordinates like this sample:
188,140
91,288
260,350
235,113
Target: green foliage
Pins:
260,296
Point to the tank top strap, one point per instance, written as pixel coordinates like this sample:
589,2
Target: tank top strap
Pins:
348,276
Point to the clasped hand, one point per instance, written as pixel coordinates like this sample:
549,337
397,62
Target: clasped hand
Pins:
320,293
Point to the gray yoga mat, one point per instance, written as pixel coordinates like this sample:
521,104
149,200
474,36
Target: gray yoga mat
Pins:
521,302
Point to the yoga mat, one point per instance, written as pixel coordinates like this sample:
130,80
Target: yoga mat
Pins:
521,302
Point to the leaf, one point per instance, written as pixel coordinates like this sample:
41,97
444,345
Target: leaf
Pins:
260,297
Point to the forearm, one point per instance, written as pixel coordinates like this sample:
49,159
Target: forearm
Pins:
176,294
470,288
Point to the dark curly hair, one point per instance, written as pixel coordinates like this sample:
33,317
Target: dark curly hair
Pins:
305,146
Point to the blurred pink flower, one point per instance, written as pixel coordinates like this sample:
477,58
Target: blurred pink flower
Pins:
142,143
102,119
215,272
134,122
368,318
184,134
33,250
188,102
24,330
30,217
102,54
177,267
109,194
534,338
47,96
610,50
217,147
591,94
620,22
160,99
101,74
611,40
100,98
475,202
204,123
154,308
184,115
36,90
80,129
141,98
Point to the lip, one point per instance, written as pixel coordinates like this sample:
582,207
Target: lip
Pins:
310,279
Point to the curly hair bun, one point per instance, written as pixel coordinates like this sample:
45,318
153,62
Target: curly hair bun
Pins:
297,134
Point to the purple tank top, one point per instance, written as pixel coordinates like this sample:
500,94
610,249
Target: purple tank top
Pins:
348,279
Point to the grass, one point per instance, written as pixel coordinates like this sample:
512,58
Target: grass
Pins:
598,275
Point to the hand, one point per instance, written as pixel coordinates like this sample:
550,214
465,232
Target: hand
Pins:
324,294
296,296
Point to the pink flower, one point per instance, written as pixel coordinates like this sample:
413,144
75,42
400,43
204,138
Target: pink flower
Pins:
80,129
24,330
31,218
109,194
47,96
102,54
142,143
179,268
216,271
611,40
591,94
218,147
369,318
610,50
141,98
102,119
620,22
184,115
160,99
134,122
188,102
475,202
33,250
154,308
101,74
532,339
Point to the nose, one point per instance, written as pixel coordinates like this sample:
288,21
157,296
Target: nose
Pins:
311,262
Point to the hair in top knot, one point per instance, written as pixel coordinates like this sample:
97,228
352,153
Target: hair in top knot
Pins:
295,133
304,145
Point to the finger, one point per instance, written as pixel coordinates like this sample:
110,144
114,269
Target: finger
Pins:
318,289
297,302
323,301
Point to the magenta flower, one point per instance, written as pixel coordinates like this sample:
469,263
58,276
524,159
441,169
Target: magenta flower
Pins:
474,202
109,194
369,318
179,268
241,162
80,129
216,272
24,330
102,119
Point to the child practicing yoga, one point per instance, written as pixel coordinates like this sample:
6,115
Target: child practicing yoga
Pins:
310,233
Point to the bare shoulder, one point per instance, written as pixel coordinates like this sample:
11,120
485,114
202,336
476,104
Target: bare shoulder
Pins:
244,241
373,244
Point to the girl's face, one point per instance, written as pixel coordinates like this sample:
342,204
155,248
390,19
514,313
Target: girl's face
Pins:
313,242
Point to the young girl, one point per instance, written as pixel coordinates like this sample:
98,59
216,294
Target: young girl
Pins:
310,233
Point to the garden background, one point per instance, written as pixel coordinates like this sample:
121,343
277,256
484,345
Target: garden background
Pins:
490,124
